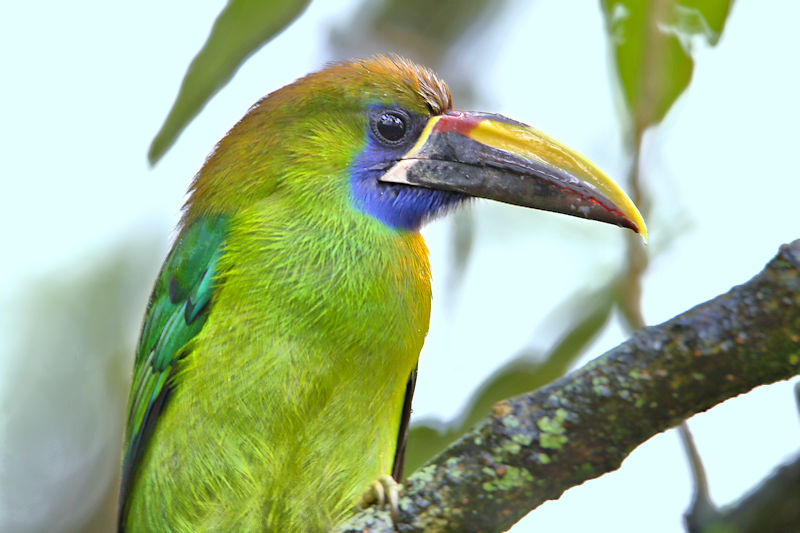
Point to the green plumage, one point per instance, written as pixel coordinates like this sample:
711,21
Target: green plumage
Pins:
178,309
271,374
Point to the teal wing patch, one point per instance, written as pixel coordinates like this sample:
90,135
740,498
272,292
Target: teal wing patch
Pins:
177,311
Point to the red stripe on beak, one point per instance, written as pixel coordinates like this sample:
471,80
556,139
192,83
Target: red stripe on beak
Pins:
458,122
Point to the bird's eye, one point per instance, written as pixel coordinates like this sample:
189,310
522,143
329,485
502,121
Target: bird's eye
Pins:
390,127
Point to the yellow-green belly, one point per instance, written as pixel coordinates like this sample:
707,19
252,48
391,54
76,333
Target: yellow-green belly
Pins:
289,402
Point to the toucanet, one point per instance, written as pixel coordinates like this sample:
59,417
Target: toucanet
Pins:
274,373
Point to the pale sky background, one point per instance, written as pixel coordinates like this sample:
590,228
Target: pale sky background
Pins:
87,84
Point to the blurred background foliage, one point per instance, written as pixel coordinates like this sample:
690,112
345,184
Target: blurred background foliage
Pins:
72,371
78,324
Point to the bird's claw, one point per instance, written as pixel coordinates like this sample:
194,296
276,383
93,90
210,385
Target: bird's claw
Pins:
380,492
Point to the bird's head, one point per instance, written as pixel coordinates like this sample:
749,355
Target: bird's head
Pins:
380,135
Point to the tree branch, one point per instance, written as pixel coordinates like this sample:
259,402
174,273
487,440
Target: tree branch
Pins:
535,446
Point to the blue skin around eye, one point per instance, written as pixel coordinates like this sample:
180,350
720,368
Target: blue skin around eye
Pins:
397,205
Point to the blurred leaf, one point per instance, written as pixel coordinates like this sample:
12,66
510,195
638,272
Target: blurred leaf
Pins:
419,28
241,28
440,23
462,225
652,43
588,314
442,35
63,398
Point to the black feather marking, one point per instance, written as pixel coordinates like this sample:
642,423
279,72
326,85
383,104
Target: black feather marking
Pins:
402,435
130,462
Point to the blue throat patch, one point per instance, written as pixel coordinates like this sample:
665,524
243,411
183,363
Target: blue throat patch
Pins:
395,204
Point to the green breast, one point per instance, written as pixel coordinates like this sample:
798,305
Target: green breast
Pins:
289,401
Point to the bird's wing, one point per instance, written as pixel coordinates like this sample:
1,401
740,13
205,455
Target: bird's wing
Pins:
177,311
402,436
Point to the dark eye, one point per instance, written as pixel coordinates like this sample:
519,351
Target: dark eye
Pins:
390,127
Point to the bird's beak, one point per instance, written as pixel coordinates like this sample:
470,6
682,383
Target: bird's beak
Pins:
491,156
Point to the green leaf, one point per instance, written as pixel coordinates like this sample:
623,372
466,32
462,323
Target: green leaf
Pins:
652,46
241,29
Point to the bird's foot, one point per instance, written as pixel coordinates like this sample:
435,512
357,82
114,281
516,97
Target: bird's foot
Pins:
380,492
